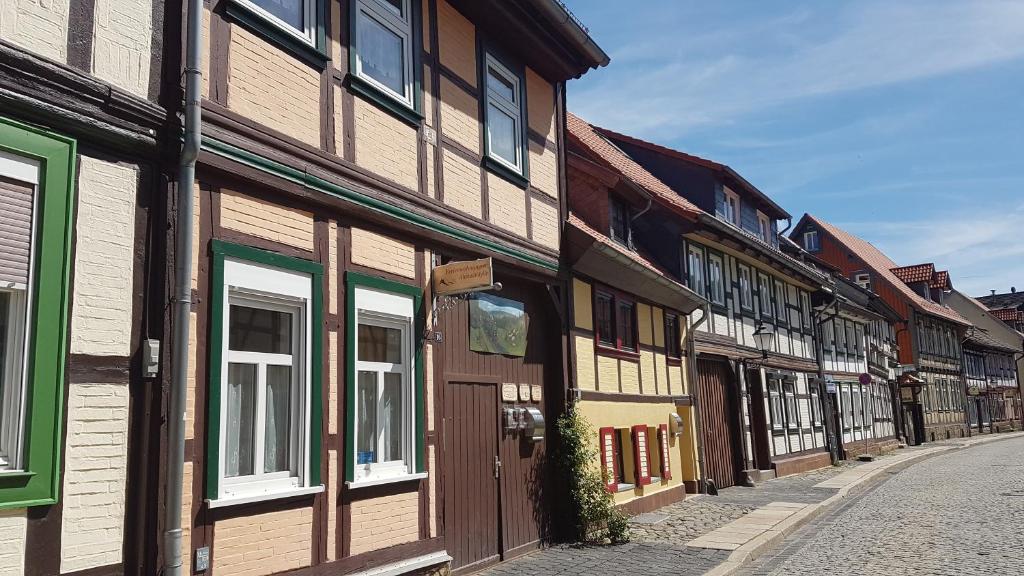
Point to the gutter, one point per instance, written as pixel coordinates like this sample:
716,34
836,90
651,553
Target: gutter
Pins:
567,25
691,374
183,289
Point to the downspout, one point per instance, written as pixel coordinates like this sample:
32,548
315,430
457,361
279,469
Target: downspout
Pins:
183,288
691,369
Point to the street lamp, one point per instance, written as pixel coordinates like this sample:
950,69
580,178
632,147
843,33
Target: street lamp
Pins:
763,336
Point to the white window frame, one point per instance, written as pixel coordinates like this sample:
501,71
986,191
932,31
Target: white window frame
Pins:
816,408
776,405
309,18
780,300
764,226
695,269
401,27
513,108
716,291
261,286
12,435
746,288
811,241
732,206
764,290
863,279
386,309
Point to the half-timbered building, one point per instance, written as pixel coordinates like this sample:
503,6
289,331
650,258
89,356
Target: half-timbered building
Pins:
345,414
630,324
82,306
757,406
929,339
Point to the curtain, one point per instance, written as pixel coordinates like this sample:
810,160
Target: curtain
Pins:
277,439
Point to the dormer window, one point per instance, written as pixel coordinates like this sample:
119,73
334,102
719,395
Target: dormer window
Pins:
732,207
863,279
811,242
619,221
764,227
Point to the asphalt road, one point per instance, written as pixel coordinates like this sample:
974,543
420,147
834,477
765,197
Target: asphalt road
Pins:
958,514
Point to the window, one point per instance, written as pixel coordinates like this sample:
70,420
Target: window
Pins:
811,243
37,196
295,17
264,314
805,309
619,221
840,336
764,227
616,321
746,289
847,407
764,294
775,404
716,280
851,339
673,336
792,414
858,407
386,381
863,279
732,207
780,300
383,51
815,407
695,268
504,115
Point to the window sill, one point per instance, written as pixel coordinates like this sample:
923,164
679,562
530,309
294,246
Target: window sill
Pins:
239,500
310,54
382,100
672,361
603,350
355,484
624,487
505,172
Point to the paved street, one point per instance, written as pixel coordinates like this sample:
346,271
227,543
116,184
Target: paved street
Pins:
956,514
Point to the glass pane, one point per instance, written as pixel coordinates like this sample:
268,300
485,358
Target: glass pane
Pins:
381,54
380,344
502,130
626,326
260,330
290,11
605,329
277,443
394,6
366,421
240,427
391,418
500,85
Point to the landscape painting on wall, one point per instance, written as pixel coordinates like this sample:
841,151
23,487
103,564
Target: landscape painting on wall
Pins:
497,325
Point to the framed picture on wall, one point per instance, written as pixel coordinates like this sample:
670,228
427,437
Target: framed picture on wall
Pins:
497,325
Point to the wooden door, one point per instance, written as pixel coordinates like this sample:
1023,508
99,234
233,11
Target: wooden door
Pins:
471,514
759,425
720,429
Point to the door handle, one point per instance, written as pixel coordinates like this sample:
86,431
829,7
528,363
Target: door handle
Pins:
497,467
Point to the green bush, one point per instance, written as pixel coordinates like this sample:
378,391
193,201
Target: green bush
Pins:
596,517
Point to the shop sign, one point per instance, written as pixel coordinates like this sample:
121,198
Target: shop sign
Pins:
830,385
463,277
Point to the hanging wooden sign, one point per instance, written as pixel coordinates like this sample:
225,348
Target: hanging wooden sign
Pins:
463,277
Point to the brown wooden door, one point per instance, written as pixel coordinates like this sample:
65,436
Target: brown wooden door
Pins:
471,514
759,425
720,431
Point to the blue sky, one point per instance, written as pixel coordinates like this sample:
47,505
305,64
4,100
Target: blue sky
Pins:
901,121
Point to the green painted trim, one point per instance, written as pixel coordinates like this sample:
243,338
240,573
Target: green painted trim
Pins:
39,484
502,171
305,179
352,281
313,55
222,250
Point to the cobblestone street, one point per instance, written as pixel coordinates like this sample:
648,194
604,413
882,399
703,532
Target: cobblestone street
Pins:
955,514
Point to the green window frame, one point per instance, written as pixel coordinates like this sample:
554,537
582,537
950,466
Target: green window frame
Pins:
37,483
409,111
222,250
355,280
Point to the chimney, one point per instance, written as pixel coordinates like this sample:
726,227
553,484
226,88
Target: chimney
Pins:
1013,289
993,292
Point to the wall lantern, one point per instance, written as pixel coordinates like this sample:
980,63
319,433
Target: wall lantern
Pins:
763,337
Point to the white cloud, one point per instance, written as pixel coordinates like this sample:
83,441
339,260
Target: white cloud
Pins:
667,83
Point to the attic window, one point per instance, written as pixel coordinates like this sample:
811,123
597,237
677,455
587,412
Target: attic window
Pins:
863,279
619,221
811,242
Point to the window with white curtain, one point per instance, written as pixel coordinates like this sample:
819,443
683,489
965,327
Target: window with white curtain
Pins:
384,393
19,179
504,115
265,379
296,17
716,279
383,47
695,268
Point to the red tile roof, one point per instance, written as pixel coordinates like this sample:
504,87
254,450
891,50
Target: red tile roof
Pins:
578,223
618,161
941,281
916,273
883,266
1007,314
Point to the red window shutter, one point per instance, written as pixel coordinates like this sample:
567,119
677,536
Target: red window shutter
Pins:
666,464
641,456
609,460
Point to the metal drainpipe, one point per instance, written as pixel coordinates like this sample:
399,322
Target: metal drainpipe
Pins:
183,288
691,361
